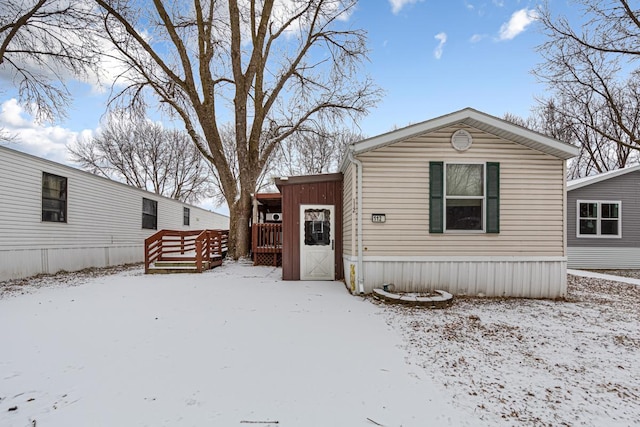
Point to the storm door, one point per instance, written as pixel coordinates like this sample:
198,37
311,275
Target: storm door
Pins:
317,242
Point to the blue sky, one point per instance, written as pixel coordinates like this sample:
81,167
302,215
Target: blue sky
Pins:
430,57
435,57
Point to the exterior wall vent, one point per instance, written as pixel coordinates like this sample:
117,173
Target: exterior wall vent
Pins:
461,140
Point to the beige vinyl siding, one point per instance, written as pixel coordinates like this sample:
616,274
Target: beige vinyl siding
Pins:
396,183
348,211
104,219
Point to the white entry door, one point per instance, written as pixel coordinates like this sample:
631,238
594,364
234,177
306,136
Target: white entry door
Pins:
317,242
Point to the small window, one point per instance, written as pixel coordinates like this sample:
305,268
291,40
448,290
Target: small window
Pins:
317,227
54,198
186,216
149,214
464,200
599,219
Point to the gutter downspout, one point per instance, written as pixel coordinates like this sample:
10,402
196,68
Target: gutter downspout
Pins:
358,165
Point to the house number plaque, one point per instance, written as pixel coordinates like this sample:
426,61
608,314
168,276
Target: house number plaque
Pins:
378,218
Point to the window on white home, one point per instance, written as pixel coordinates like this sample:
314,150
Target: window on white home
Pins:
54,198
186,216
149,214
464,196
599,218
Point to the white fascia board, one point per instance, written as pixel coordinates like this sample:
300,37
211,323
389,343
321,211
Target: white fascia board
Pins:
468,116
583,182
90,175
409,131
556,147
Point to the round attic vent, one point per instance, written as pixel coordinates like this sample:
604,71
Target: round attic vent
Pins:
461,140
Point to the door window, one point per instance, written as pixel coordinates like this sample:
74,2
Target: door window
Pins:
317,227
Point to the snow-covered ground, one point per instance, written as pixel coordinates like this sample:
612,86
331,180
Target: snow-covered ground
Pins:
535,362
238,346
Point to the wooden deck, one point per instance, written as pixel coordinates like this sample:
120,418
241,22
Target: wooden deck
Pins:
266,244
173,251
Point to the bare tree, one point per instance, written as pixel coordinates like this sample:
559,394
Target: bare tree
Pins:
586,121
575,121
308,153
42,43
6,136
146,155
276,65
589,67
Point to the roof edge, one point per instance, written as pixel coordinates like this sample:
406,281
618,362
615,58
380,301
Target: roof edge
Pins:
92,175
307,179
589,180
564,150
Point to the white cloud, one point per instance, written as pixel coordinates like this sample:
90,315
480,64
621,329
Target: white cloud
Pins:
397,5
10,114
49,142
477,37
442,37
518,23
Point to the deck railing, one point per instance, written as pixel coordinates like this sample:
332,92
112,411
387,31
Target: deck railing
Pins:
204,247
266,243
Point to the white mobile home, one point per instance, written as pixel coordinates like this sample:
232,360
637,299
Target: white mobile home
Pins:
54,217
465,202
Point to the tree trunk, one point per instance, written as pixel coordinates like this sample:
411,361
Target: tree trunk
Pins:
239,231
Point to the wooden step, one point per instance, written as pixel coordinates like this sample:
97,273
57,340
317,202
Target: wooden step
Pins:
167,267
171,270
178,264
187,266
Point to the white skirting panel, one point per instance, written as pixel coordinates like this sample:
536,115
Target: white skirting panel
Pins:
528,277
603,258
17,264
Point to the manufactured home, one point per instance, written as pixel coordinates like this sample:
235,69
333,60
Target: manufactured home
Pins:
603,220
54,217
467,203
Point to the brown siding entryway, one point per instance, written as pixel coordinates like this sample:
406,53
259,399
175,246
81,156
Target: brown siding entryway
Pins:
322,192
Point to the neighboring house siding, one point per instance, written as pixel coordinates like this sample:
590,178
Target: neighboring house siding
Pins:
623,188
604,252
104,219
603,258
396,183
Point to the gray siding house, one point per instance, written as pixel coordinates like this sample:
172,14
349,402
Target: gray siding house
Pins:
54,217
603,218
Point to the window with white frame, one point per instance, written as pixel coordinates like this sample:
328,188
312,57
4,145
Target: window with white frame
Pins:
599,218
464,196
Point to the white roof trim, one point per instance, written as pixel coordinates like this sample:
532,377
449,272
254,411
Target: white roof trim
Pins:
479,120
98,177
583,182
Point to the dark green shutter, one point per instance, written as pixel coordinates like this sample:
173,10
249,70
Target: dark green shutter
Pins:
493,197
436,186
